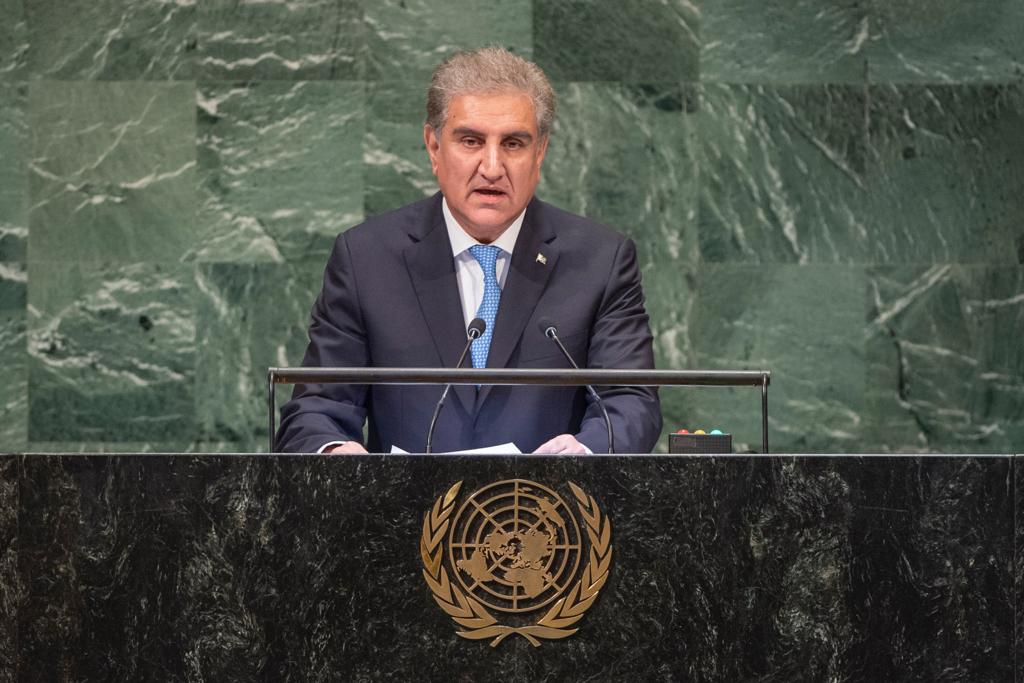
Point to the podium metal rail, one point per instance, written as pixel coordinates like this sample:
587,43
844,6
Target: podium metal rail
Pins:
544,377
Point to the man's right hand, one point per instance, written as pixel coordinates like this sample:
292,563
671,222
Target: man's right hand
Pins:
348,448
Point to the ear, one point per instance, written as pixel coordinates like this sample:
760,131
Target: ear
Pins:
433,144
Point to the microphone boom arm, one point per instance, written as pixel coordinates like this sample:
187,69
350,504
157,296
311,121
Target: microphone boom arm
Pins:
474,331
552,333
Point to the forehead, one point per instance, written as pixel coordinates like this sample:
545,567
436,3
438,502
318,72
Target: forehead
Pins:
493,112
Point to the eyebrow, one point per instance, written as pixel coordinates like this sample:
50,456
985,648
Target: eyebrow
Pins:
524,134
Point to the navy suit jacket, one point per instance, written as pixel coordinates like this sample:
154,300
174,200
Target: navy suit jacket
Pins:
390,299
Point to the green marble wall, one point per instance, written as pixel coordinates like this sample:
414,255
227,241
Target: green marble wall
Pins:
830,190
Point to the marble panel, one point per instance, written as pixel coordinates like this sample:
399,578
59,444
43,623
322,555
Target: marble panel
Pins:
65,509
804,324
186,444
630,40
396,169
14,358
13,40
844,174
280,168
250,317
946,41
945,363
13,171
281,40
406,39
112,353
846,41
784,41
782,174
277,567
931,590
112,171
10,581
626,156
112,39
947,165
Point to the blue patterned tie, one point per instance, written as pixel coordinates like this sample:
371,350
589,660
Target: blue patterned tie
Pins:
487,256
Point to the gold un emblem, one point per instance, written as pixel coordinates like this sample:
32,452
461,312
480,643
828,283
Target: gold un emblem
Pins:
514,550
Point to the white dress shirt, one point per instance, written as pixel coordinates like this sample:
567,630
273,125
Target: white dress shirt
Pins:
468,272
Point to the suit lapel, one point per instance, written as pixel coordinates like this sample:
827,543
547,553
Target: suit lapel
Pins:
432,269
533,260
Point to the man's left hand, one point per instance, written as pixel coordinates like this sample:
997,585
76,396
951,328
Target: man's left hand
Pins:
563,444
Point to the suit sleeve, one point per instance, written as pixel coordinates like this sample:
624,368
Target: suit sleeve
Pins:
321,413
621,339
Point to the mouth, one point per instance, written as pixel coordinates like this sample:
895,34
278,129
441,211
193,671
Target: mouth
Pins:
489,193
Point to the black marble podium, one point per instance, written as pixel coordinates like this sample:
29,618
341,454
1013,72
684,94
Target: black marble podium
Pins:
305,568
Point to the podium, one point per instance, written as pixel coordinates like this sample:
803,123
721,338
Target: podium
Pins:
724,568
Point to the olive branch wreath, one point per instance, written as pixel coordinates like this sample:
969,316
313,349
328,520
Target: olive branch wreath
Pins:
474,617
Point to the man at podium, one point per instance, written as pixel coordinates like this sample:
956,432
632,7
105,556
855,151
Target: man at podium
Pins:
400,290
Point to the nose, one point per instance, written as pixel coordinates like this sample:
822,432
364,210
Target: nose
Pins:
492,166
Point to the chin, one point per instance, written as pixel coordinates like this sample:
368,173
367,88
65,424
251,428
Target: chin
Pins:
494,226
492,219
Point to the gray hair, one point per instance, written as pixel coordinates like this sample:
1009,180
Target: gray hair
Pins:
488,70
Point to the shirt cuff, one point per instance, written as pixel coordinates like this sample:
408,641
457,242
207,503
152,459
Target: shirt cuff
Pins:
328,446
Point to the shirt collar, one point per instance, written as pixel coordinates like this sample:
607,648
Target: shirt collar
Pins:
461,240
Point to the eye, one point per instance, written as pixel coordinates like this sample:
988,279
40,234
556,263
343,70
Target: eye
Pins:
470,142
514,144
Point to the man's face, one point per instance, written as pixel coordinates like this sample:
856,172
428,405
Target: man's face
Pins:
487,160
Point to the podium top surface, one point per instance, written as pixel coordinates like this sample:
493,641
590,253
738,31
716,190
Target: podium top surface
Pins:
530,456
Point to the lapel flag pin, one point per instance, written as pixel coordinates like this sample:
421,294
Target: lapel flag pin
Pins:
542,259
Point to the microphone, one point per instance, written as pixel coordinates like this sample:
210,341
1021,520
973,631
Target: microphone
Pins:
473,332
547,327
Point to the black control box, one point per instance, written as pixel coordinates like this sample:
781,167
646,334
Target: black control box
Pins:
700,443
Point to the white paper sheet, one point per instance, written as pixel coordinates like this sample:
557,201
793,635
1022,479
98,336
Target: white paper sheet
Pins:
500,449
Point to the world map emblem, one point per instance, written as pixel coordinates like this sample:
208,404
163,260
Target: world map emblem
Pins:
506,559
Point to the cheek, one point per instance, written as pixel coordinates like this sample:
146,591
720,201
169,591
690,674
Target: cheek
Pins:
458,168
